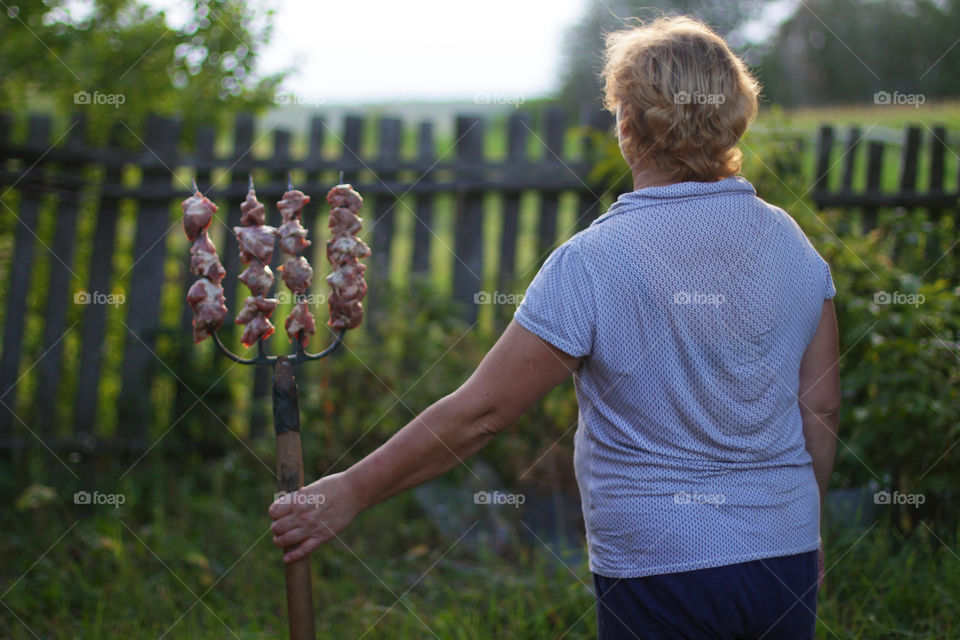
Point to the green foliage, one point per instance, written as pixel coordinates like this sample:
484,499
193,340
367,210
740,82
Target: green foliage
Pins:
118,60
899,366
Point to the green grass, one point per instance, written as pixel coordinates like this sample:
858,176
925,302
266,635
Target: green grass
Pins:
188,555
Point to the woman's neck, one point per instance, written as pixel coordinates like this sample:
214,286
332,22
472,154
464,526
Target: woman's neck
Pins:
651,177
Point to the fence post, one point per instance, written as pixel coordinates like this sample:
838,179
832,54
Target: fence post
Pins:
38,136
318,202
849,158
58,296
146,280
518,130
350,153
468,226
938,149
424,208
824,150
240,170
908,178
553,157
874,171
380,230
590,203
95,316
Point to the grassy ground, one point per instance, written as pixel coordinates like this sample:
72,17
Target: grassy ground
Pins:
188,556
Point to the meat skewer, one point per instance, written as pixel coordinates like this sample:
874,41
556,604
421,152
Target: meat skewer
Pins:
255,240
344,251
296,272
205,297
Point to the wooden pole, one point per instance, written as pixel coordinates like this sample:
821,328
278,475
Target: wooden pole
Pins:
286,422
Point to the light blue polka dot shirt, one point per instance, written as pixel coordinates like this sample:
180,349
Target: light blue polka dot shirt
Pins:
691,305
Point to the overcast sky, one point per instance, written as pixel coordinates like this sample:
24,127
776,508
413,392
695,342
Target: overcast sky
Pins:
381,50
349,51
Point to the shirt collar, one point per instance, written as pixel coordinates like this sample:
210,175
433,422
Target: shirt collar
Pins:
652,196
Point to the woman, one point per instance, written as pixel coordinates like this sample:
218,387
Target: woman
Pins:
698,323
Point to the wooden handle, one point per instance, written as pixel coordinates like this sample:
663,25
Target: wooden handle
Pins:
290,478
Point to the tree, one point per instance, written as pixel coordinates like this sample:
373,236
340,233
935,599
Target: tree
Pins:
120,59
845,51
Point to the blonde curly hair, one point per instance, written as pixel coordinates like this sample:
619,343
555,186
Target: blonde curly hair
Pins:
683,99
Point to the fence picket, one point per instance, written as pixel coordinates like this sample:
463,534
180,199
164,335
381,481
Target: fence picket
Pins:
61,272
95,316
381,229
554,129
424,207
147,277
468,227
849,158
38,134
874,171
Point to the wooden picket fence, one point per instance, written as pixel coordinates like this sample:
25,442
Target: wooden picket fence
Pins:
41,172
872,197
65,172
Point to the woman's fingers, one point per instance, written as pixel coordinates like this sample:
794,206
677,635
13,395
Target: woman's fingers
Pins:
281,506
284,524
290,538
306,548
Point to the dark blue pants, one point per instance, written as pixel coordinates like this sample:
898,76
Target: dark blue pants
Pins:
772,599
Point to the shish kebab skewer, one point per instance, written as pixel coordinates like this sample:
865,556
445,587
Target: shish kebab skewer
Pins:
344,250
255,240
205,297
296,272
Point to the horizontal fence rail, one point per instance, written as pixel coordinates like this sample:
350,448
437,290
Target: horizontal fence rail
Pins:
871,196
113,209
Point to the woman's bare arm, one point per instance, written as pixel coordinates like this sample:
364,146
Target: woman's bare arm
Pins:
519,369
819,396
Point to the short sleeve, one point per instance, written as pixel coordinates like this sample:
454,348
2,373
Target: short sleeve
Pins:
823,268
559,304
831,289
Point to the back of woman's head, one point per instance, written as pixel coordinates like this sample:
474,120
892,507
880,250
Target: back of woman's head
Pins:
683,98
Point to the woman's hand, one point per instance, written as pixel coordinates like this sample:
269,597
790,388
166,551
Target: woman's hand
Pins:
313,515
